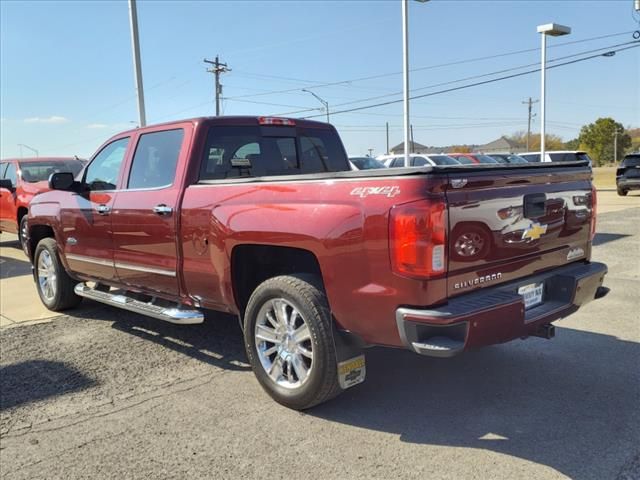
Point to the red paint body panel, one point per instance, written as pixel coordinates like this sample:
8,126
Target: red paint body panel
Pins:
342,219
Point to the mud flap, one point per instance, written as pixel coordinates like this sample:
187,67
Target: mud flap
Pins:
350,358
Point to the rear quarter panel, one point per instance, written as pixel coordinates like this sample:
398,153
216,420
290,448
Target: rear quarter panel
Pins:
343,222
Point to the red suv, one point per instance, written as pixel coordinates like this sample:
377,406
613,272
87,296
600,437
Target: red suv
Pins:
20,180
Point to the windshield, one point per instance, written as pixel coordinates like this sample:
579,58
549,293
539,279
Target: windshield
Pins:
531,157
41,171
366,163
515,159
443,160
485,159
464,160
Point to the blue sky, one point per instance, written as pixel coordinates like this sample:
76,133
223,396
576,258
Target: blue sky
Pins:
66,77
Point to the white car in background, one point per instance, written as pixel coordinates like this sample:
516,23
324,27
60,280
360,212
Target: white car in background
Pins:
557,156
418,160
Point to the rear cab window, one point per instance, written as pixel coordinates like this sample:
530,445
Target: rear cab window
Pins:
262,151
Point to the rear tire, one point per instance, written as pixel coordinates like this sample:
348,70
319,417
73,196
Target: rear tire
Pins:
23,234
54,285
622,192
289,342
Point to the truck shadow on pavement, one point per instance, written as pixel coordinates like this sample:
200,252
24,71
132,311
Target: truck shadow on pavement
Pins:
570,403
601,238
218,341
10,267
34,380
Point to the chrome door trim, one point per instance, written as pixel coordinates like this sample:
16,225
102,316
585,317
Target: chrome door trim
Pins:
82,258
139,268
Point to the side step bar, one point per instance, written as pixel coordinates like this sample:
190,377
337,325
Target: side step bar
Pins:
168,314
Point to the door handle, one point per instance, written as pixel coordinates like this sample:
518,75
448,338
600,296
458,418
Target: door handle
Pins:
103,209
162,209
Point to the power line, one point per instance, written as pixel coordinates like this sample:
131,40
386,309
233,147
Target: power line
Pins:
482,75
462,87
429,67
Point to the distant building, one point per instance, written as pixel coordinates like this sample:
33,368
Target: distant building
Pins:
501,145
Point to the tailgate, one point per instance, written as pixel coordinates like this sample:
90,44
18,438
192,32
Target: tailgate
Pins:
507,224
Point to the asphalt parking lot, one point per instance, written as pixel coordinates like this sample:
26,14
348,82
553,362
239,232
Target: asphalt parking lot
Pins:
104,393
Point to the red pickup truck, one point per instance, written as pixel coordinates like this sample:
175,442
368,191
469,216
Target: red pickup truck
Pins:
263,218
20,180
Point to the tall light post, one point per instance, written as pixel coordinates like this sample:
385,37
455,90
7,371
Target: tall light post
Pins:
555,30
137,69
405,75
323,102
28,148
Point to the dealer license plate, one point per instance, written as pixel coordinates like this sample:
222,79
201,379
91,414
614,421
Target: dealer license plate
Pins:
532,294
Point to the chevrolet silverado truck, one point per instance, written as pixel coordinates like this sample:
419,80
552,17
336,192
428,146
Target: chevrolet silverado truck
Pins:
20,180
263,218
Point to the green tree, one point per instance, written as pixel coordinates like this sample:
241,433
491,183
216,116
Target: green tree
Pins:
552,142
597,139
572,144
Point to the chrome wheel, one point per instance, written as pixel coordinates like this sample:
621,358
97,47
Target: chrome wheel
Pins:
47,277
469,244
283,343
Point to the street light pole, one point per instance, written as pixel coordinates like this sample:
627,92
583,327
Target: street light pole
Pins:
323,102
28,148
137,69
405,75
405,78
554,30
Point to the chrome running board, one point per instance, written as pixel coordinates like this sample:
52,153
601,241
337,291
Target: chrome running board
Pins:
174,314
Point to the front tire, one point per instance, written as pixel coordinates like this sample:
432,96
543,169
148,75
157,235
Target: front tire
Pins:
289,342
622,192
23,234
54,285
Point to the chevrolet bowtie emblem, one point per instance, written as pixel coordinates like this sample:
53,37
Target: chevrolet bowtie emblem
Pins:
534,232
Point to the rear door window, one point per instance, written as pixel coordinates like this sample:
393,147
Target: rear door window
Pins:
155,160
253,151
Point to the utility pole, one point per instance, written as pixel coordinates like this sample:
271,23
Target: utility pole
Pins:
370,151
615,145
217,69
137,69
530,103
387,138
412,144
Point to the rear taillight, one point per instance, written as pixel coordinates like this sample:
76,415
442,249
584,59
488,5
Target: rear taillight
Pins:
418,239
594,210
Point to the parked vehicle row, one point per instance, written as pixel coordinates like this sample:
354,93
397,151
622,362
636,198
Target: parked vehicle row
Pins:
421,160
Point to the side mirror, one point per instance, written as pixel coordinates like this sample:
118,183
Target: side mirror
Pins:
6,184
61,181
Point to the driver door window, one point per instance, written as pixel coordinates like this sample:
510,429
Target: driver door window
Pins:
102,173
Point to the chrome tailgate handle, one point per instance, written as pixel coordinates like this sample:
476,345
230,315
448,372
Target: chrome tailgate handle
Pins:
103,209
162,209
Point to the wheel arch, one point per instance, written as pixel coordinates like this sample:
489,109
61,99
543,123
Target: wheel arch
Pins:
252,264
